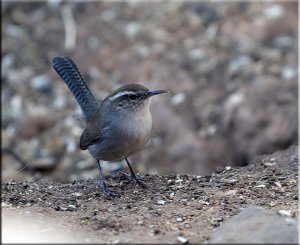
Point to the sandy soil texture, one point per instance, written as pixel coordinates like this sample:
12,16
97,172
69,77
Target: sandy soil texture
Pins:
174,208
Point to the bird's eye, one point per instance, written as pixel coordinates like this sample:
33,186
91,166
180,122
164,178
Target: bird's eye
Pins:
132,97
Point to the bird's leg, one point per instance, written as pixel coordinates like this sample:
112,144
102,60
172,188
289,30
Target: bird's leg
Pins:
133,176
102,183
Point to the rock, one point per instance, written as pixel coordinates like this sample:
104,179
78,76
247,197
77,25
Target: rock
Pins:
32,126
256,225
41,84
288,73
18,76
7,62
161,202
14,31
182,239
231,192
196,54
53,4
178,98
285,213
132,29
283,41
237,64
71,207
44,163
274,11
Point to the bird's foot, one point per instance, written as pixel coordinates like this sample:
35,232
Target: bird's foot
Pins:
102,185
133,177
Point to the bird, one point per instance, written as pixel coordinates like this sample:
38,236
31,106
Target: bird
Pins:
117,127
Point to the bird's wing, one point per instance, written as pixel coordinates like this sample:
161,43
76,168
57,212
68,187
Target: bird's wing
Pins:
93,132
89,138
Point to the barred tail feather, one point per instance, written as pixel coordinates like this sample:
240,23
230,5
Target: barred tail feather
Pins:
68,71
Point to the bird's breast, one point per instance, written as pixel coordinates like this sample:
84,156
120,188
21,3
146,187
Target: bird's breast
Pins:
137,130
124,136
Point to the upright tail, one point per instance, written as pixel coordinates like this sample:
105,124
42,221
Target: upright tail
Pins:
68,71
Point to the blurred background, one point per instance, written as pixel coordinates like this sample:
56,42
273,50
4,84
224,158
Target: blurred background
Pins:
232,69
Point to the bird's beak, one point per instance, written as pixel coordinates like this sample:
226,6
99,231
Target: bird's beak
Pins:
155,92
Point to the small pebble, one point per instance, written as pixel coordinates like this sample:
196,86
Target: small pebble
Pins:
95,73
231,192
196,54
71,207
77,194
274,11
204,202
231,181
16,104
132,29
179,219
238,63
285,213
19,76
278,184
53,4
59,101
283,41
161,202
44,163
288,73
269,163
182,239
59,208
272,204
4,205
174,228
172,195
178,99
155,231
41,83
108,15
15,31
71,145
7,61
260,186
187,225
169,181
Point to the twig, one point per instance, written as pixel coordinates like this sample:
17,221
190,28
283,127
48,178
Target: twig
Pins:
70,27
24,165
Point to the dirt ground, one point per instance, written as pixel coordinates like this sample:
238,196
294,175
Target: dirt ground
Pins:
174,208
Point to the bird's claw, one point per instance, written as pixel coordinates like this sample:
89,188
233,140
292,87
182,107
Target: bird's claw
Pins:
135,179
102,185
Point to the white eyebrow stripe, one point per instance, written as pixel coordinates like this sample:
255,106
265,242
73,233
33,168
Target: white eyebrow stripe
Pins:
120,94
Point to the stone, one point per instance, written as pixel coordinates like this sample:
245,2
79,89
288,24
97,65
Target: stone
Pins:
41,83
257,225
